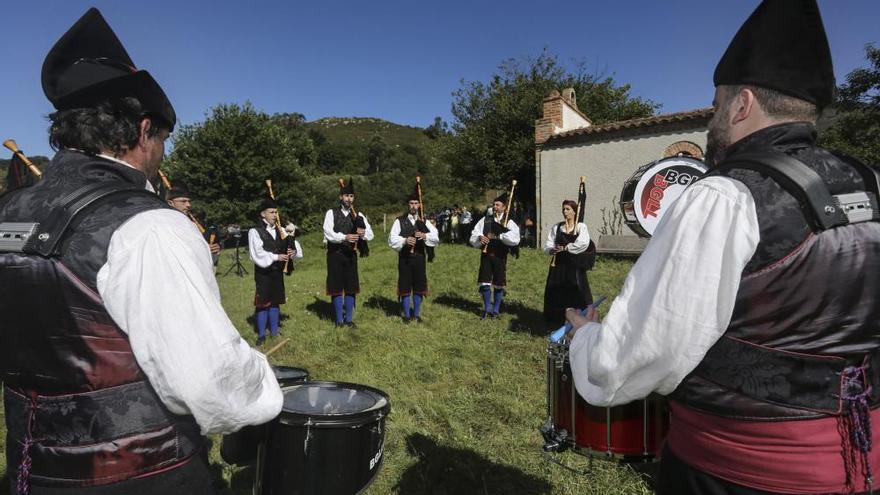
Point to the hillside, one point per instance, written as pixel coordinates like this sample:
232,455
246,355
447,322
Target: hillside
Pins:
361,130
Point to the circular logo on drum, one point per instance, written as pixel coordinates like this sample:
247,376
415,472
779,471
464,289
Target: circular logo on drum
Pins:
652,190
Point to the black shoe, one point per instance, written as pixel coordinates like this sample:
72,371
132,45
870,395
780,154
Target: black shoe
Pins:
260,341
419,319
407,321
496,315
338,324
350,324
485,315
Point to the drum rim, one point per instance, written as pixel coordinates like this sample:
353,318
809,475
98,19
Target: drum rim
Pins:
633,182
377,411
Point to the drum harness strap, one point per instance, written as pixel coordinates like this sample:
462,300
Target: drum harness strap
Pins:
835,385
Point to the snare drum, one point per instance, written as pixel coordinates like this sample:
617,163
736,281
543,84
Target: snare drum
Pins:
633,431
652,190
329,439
240,448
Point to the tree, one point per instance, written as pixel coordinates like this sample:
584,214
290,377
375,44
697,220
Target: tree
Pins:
855,124
376,153
494,126
225,161
438,129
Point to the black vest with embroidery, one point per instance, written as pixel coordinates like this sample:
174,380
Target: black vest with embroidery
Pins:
409,230
496,247
344,224
808,304
74,394
270,245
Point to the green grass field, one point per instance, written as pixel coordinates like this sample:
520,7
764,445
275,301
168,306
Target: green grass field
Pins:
467,396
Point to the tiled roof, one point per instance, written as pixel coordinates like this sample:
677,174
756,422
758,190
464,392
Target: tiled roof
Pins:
696,117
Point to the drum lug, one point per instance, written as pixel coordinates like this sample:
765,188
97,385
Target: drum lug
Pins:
554,441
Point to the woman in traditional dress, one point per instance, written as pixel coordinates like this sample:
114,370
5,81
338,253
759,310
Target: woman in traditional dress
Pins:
567,286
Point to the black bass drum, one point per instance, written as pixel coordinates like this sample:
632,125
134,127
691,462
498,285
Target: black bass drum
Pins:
652,190
328,440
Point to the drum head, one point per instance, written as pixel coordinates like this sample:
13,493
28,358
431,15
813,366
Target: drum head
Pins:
288,375
652,190
331,403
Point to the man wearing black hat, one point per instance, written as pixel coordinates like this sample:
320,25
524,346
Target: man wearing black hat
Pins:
346,232
495,240
115,352
756,306
179,199
409,236
269,252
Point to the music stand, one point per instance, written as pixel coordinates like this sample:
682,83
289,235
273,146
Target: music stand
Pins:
240,270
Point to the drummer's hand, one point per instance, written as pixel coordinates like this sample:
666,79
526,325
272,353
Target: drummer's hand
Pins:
215,248
577,321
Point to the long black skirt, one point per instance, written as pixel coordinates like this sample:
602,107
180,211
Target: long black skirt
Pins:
567,287
270,287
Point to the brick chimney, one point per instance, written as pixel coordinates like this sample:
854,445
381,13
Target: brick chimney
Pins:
560,114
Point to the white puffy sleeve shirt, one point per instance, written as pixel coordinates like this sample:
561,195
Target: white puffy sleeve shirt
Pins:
158,285
331,235
396,242
580,244
510,238
676,301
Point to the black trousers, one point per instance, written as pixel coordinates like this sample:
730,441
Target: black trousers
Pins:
493,270
411,275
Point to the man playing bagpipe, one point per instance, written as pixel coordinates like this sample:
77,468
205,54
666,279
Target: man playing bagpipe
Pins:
178,197
271,252
496,234
410,235
346,232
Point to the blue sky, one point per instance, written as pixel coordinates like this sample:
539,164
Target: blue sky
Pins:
395,60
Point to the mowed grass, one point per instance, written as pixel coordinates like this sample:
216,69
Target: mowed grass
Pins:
467,396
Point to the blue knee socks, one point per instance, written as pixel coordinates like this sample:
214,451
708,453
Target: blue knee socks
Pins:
337,309
349,308
487,304
417,305
496,303
274,320
404,301
262,315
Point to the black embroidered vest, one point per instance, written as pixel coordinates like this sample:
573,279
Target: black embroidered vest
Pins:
74,395
808,304
409,230
271,245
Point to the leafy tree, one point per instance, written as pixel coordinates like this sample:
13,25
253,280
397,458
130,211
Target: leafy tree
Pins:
437,129
855,125
225,161
494,124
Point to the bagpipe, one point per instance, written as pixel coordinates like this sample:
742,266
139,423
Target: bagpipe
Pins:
566,233
357,223
420,226
490,226
17,176
288,239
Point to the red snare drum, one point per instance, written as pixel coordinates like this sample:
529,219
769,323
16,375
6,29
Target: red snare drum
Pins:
633,431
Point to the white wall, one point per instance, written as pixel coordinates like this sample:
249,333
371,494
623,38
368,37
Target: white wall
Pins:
606,165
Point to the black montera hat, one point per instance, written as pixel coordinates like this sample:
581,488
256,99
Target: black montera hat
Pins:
502,198
347,187
782,46
88,64
266,204
414,195
177,192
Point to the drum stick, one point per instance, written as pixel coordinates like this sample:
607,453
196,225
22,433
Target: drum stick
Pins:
276,347
556,336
